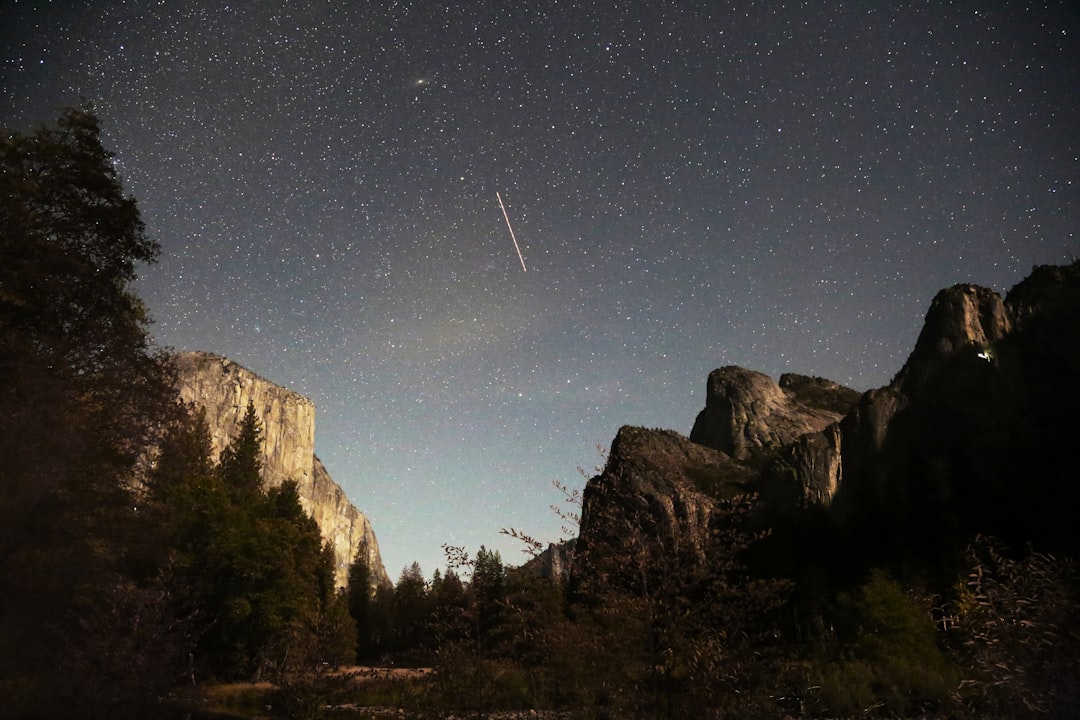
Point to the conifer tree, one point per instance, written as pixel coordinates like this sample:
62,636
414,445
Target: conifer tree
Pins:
359,595
411,610
82,393
488,589
240,465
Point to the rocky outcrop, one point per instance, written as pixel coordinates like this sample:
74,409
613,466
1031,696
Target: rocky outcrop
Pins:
223,390
920,424
655,499
970,436
747,411
343,525
554,562
964,319
658,471
973,435
819,393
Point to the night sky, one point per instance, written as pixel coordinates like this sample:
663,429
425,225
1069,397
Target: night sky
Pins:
782,186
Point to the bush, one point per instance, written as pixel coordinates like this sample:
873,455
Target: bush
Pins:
1015,619
887,658
465,682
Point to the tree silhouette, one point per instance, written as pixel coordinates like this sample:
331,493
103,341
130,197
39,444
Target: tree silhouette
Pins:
240,465
82,395
359,596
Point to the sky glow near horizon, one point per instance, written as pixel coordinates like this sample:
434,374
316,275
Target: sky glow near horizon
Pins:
782,186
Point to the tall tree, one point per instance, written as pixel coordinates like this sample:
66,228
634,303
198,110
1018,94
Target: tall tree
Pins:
72,334
240,465
488,588
82,393
359,594
249,562
411,610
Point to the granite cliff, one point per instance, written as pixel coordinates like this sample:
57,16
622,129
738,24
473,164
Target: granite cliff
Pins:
670,484
553,562
223,389
973,434
645,508
746,411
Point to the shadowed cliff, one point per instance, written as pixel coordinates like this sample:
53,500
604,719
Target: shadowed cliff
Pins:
973,435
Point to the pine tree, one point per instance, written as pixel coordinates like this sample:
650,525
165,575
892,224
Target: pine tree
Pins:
411,610
488,589
82,394
253,562
359,594
240,466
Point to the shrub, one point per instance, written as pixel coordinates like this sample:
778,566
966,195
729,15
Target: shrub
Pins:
1015,619
887,657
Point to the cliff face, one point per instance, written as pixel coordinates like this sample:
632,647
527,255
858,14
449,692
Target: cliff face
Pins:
223,389
746,410
555,562
974,434
655,499
343,525
944,437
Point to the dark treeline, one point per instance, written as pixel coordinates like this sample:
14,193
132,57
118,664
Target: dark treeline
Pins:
647,629
130,563
135,568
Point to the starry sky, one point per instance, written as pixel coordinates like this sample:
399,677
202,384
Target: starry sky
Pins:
778,185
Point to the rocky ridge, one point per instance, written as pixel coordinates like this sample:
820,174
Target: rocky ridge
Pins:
972,435
223,389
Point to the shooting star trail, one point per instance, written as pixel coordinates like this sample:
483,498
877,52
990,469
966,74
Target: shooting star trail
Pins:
511,229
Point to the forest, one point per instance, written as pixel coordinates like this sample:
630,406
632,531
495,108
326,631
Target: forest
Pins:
141,578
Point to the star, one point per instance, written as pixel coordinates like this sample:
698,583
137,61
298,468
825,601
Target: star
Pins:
777,186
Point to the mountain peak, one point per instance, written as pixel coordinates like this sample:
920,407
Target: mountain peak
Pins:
747,410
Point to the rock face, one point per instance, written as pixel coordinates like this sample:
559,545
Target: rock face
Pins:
964,318
746,410
223,389
658,491
555,562
974,434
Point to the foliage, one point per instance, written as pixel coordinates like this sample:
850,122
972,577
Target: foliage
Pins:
131,640
309,679
488,591
240,465
250,564
886,658
569,509
82,393
411,612
1015,618
655,630
124,548
358,601
654,624
70,241
698,615
468,626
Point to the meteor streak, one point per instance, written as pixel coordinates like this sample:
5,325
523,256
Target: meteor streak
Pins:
511,229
